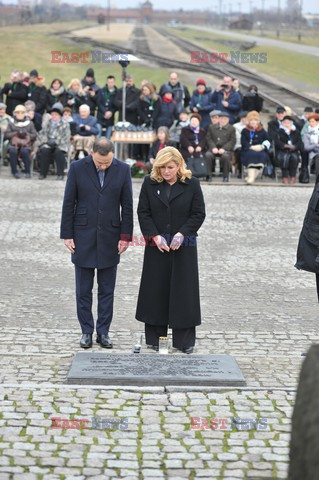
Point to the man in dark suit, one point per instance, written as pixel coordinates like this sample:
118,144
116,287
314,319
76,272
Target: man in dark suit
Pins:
97,225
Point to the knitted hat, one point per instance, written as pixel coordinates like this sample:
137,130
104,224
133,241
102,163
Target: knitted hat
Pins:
308,109
34,73
166,89
196,115
3,105
90,73
57,107
201,81
253,115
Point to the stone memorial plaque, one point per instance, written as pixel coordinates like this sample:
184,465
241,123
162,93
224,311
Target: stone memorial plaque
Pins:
154,369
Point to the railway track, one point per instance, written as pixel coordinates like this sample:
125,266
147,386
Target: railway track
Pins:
274,95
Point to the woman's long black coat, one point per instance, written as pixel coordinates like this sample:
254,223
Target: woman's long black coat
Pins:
169,290
308,246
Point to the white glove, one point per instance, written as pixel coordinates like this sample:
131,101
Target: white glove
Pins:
257,148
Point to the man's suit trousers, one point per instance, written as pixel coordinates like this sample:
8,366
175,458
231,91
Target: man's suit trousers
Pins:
84,279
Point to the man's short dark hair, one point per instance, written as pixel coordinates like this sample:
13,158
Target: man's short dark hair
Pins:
110,76
103,146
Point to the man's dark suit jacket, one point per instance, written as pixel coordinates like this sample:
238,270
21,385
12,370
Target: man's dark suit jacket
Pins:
97,218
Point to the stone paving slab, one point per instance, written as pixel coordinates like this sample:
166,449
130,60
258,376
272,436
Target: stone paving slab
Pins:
159,435
255,306
265,359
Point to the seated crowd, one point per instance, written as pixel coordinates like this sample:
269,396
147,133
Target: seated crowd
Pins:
220,126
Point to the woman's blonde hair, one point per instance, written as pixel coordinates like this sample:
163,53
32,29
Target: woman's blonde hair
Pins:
166,155
151,88
73,81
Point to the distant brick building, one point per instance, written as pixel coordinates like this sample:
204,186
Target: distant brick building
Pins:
146,14
9,14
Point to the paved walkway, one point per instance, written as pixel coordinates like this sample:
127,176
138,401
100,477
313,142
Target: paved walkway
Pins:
255,306
293,47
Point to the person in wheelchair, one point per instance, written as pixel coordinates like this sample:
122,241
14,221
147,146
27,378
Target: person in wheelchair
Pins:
54,141
21,135
287,149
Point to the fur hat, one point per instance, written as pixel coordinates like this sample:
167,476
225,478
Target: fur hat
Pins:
288,117
196,115
253,115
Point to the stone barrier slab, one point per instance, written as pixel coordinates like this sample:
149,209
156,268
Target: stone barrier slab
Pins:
154,369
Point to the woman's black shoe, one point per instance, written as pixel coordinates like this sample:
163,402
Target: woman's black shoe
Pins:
188,350
153,347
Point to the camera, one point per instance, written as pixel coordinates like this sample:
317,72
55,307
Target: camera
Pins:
82,128
223,85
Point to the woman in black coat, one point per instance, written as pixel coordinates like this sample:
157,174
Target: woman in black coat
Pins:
193,138
254,147
308,246
16,92
161,142
171,210
287,148
148,106
56,93
252,101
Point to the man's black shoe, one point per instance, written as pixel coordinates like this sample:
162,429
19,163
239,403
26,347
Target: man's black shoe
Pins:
104,341
86,340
